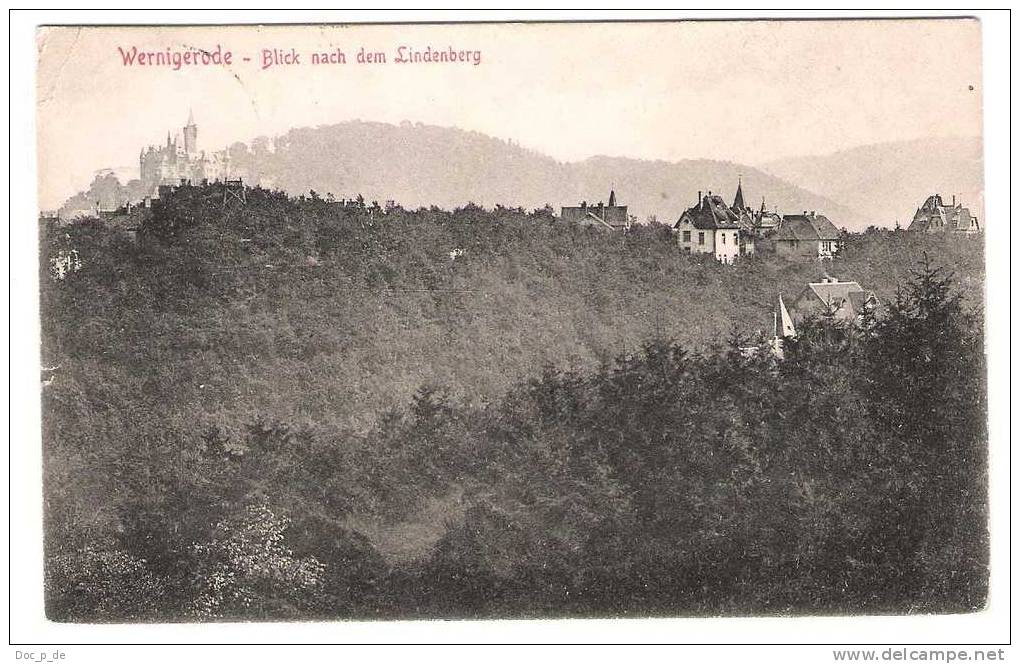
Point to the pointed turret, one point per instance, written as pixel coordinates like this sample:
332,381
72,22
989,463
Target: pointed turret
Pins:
787,329
612,198
191,135
738,200
782,328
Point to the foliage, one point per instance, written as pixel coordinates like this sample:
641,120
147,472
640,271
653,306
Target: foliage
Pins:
298,407
101,585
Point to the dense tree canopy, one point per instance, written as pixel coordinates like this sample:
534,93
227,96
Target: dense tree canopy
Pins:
296,408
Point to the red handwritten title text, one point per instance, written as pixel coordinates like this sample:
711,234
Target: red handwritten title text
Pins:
191,57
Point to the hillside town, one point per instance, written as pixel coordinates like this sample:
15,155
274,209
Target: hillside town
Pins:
729,232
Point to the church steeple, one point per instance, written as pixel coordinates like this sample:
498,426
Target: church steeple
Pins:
191,135
612,198
738,200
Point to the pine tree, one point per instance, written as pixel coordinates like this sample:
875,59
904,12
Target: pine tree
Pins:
926,376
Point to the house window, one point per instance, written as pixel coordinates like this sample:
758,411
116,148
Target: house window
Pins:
724,238
826,246
701,238
687,236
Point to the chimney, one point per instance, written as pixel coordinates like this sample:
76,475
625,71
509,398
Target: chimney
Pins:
804,213
812,213
954,200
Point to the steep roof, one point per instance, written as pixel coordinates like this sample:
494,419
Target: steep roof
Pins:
836,291
950,217
609,216
765,219
933,203
964,218
710,214
738,200
591,216
807,227
843,298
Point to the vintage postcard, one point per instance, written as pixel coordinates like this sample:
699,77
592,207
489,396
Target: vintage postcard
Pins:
512,320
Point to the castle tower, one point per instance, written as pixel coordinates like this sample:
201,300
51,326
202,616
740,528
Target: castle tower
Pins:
191,135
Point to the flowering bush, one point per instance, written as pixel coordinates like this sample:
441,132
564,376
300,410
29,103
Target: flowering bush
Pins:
99,585
246,567
64,263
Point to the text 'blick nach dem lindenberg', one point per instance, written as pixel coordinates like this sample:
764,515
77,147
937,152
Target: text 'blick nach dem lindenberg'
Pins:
190,57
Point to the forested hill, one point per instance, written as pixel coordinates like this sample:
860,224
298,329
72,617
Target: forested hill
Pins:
290,409
264,307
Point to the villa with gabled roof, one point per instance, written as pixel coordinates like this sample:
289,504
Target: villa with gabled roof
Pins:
710,227
610,217
937,217
843,300
807,235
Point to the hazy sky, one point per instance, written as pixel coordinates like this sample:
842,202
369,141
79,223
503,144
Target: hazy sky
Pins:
741,91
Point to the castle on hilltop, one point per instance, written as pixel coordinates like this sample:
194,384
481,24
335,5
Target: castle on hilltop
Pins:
180,159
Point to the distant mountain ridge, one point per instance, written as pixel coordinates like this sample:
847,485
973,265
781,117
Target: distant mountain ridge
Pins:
887,182
422,165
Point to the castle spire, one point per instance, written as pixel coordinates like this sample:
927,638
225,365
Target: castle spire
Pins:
191,134
738,200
